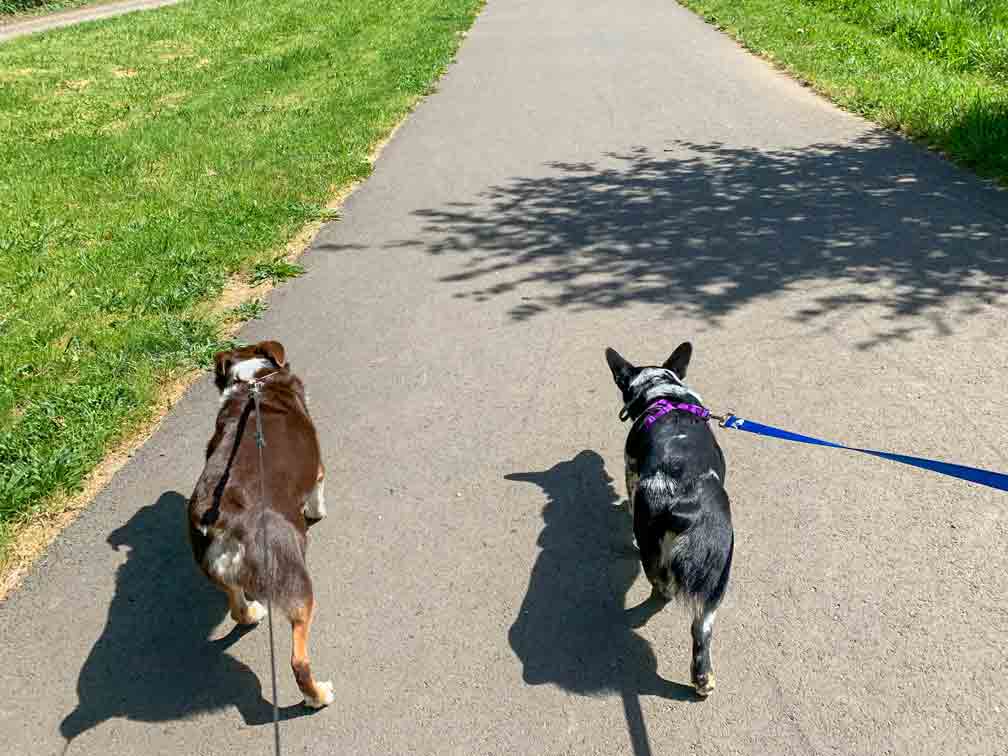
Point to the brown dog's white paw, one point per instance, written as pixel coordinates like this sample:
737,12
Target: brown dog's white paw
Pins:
324,698
253,614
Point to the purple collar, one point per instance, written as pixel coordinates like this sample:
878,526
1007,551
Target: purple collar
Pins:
663,406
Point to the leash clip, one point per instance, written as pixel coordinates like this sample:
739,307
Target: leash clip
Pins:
255,387
722,419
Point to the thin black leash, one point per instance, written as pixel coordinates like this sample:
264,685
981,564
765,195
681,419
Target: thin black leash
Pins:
256,387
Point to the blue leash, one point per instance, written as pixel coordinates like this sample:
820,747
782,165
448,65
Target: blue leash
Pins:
972,474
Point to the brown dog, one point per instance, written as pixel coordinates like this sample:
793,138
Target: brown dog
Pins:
249,530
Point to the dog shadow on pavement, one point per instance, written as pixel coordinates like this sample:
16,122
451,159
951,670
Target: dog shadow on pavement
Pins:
572,630
153,661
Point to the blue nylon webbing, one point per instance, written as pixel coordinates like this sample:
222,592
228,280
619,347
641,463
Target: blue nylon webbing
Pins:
972,474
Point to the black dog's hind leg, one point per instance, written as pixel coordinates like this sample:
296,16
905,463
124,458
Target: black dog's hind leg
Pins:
703,626
701,672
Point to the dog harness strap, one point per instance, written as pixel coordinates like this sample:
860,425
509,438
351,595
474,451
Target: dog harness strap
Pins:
972,474
210,516
663,406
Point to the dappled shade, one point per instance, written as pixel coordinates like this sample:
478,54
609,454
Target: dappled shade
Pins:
708,229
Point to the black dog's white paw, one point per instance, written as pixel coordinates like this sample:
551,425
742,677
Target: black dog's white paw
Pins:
704,686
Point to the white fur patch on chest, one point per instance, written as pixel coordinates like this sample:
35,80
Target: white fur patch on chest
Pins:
224,558
659,486
243,372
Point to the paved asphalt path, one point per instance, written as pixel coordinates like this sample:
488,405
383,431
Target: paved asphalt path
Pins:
20,28
589,173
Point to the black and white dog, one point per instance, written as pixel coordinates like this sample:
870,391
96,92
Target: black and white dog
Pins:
675,473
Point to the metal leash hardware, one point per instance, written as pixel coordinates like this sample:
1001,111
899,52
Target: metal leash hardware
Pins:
722,419
256,389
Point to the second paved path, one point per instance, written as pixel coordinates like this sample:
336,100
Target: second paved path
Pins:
34,25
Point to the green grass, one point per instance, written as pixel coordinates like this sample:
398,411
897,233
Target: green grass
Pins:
275,271
13,9
251,310
935,69
145,159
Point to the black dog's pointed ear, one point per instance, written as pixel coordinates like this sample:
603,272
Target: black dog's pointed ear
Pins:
621,369
679,360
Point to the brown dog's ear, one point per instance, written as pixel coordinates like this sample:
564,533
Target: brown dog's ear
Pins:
272,350
222,364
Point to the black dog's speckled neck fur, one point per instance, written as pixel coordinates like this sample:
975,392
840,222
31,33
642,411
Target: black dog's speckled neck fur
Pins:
652,384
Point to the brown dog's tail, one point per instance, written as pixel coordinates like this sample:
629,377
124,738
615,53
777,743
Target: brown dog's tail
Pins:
274,562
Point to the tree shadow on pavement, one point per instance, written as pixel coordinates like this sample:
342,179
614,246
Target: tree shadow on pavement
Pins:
706,229
153,661
572,630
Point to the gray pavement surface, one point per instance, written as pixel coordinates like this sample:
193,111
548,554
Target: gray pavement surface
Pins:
588,174
33,25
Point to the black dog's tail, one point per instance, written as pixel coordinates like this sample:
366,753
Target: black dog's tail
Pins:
714,599
691,546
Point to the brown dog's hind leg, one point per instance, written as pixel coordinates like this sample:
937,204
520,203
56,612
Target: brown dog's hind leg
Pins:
243,611
316,694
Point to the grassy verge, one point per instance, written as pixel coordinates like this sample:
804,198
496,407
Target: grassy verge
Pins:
935,69
143,161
